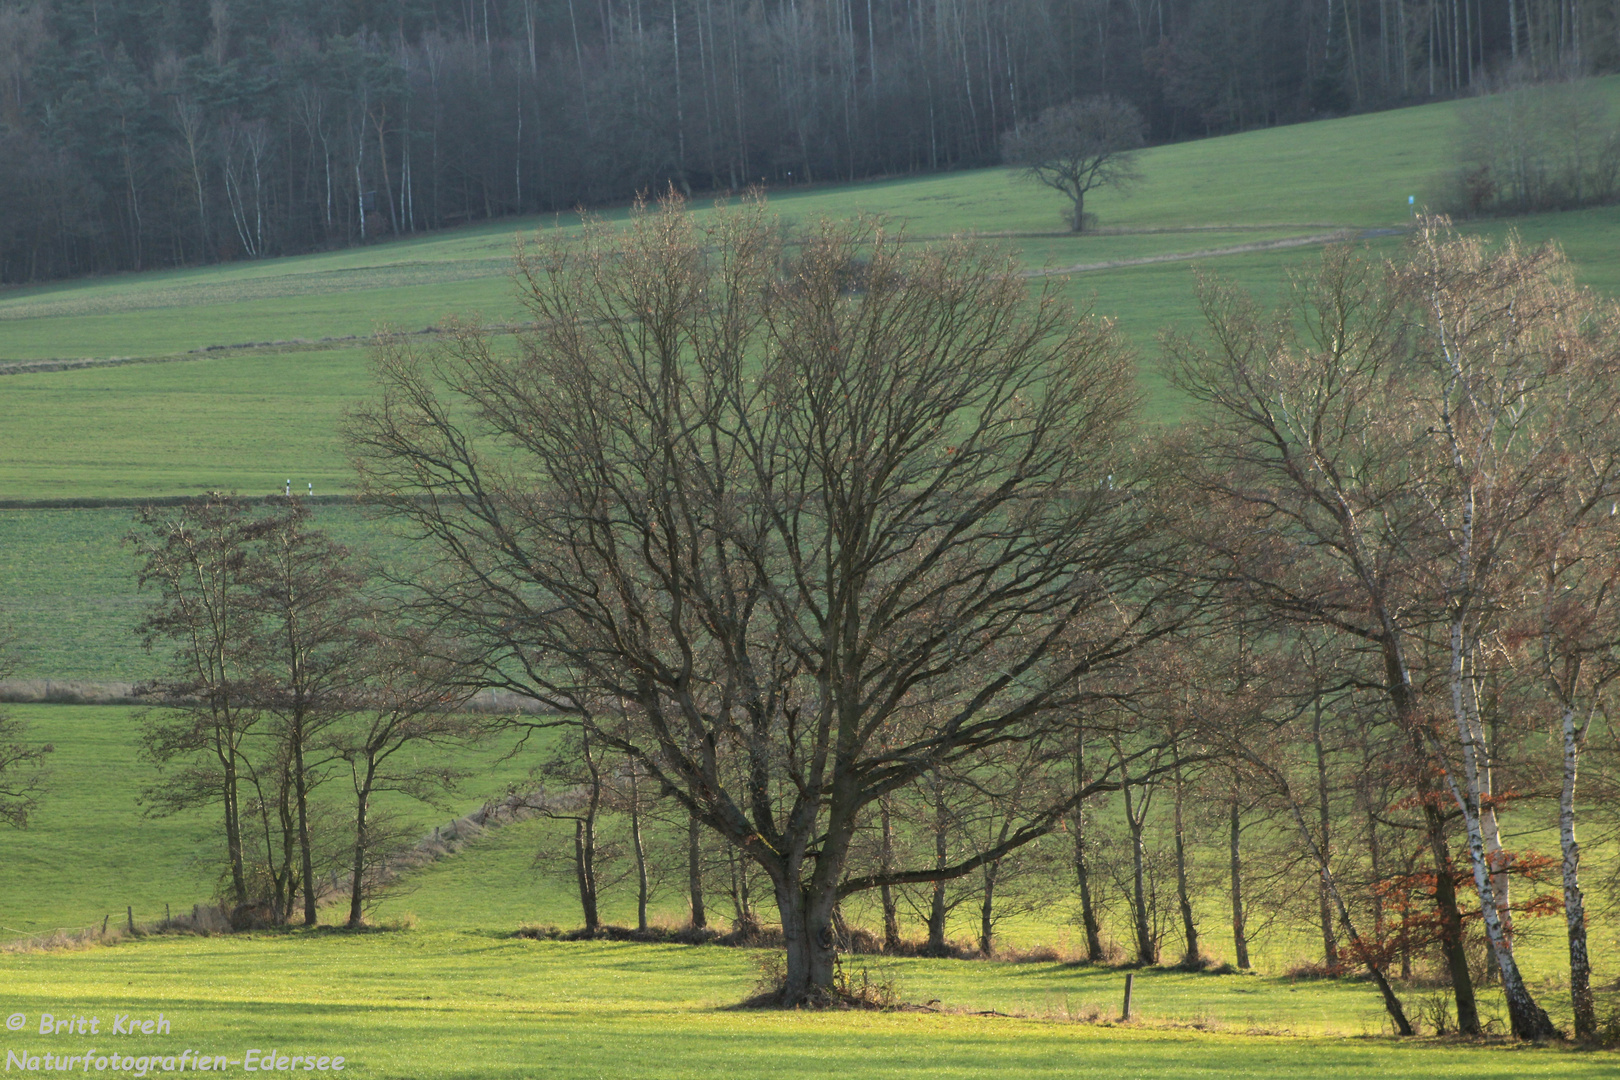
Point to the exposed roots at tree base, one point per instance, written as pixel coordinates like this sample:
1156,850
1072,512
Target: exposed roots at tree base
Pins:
858,989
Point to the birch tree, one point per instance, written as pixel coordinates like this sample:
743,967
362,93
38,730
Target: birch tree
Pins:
1570,622
1311,509
1491,360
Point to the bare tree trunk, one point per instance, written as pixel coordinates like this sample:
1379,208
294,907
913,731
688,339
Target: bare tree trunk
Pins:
585,841
1451,924
1146,953
584,873
641,849
987,920
233,819
807,931
362,844
1580,964
891,909
694,871
1240,938
742,906
1330,943
1189,928
301,789
1088,911
936,908
1528,1019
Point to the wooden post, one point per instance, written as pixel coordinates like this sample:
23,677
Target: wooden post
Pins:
1130,982
104,919
167,918
129,913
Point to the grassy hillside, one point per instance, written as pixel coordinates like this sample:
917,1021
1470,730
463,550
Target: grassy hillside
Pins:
92,851
68,590
237,377
282,340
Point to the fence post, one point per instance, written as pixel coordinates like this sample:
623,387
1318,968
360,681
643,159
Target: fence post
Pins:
1130,982
129,913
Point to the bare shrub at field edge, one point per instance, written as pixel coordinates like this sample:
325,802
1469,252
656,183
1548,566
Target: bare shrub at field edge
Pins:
205,920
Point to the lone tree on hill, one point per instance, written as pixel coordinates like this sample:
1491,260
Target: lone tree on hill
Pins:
1077,147
788,528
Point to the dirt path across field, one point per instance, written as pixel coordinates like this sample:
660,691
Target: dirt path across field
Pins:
1338,236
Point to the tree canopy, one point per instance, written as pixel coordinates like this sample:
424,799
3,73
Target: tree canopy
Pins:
1078,147
791,527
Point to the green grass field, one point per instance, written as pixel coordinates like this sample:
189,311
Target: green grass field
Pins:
458,996
68,592
91,853
446,1004
238,378
250,414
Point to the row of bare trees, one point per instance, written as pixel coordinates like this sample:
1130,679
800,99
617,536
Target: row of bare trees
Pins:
854,553
283,676
851,580
1415,466
178,133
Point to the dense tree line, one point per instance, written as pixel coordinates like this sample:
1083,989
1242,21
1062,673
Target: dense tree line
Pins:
142,133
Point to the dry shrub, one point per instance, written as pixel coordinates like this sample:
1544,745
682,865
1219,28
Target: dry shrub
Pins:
1037,954
204,920
1312,969
1082,1012
1202,1021
1608,1030
1431,1014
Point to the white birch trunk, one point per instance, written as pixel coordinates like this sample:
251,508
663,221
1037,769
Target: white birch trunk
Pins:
1580,964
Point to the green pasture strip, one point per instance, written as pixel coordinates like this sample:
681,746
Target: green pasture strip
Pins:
68,585
90,850
305,316
247,423
237,421
250,421
67,592
1355,172
432,1005
296,308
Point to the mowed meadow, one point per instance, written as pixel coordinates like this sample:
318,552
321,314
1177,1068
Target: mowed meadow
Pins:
237,377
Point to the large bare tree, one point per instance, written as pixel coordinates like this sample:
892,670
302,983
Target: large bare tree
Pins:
805,522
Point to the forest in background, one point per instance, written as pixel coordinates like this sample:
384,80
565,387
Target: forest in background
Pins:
138,134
